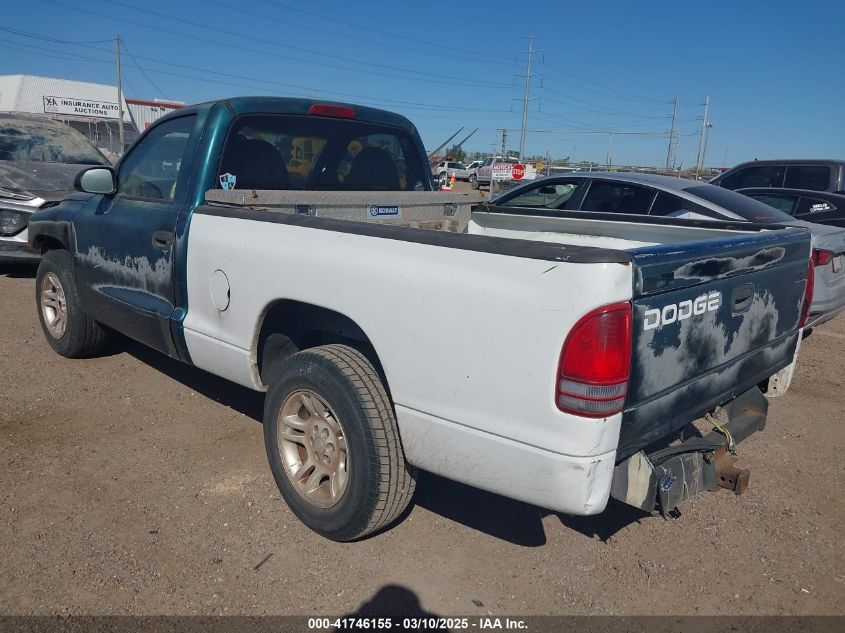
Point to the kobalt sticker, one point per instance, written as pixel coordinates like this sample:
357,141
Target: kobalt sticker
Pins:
227,181
381,211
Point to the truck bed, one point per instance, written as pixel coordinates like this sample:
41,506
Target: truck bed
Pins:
469,326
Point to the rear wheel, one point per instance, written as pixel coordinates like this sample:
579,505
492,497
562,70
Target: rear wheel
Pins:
333,444
473,181
68,329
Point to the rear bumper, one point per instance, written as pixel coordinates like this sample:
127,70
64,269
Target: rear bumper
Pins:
564,483
662,479
827,306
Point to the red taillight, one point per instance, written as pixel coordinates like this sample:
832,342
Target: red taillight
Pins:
820,257
808,291
595,363
336,111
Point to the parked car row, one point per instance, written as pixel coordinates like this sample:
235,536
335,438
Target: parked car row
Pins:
668,196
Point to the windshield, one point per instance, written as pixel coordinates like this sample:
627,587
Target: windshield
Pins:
745,207
25,140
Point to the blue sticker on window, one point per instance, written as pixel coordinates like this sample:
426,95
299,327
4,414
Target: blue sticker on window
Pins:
381,211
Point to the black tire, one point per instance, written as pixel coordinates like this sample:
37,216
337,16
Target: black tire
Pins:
82,336
473,181
380,483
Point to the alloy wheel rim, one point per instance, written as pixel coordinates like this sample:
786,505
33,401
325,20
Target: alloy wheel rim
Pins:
312,445
53,305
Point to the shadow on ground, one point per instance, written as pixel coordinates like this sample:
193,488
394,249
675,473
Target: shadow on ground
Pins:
393,601
18,271
513,521
500,517
246,401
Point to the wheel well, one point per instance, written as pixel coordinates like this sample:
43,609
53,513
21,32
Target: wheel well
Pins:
45,243
291,326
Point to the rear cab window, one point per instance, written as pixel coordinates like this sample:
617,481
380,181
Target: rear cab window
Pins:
813,177
281,152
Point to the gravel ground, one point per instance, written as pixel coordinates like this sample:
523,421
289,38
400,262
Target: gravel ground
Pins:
131,484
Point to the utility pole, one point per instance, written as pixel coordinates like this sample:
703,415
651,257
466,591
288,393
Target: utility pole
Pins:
119,95
525,99
704,149
670,154
704,125
504,144
609,160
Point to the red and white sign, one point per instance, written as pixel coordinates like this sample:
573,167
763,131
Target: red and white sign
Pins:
517,171
501,171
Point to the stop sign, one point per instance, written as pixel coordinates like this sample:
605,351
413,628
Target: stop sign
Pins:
517,171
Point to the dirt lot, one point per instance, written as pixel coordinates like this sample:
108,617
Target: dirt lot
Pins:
133,484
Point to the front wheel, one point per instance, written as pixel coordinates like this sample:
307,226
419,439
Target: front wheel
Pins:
473,181
68,329
333,444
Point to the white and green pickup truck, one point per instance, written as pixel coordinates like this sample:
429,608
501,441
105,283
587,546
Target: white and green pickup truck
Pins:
556,360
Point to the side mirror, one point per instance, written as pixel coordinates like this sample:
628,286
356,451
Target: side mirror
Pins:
96,180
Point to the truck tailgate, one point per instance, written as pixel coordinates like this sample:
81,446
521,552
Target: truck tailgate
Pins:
711,319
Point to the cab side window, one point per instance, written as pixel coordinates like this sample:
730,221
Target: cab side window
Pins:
760,176
152,168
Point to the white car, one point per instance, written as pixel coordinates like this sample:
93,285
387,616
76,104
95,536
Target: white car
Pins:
445,169
468,171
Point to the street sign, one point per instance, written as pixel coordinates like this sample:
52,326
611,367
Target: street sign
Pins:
518,171
501,171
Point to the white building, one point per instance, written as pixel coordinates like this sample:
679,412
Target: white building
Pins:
90,108
145,112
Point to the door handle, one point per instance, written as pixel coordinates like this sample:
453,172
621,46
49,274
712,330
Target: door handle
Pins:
742,297
163,239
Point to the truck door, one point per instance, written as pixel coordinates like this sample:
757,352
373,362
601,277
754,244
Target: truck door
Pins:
124,241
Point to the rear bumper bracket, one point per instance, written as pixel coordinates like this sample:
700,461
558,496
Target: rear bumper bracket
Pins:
662,479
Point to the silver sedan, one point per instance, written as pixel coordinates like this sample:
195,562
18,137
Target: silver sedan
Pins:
668,196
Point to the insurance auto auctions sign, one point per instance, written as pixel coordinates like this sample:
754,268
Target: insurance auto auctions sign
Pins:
80,107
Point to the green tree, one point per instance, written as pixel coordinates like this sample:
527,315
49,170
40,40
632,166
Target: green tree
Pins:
457,153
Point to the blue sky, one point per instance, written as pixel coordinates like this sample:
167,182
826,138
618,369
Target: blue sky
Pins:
773,70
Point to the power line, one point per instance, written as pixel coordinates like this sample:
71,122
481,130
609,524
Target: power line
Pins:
143,72
257,80
336,33
423,76
601,107
606,87
312,14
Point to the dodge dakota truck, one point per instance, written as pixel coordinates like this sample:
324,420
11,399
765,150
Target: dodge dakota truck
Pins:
552,359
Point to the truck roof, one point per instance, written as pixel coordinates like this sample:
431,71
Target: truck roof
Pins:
292,105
